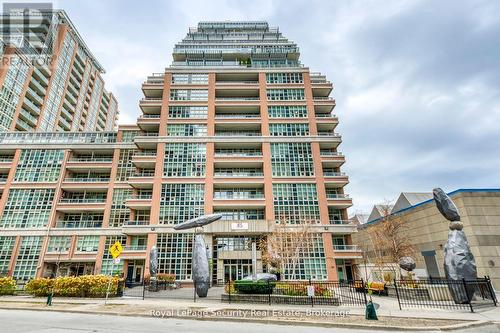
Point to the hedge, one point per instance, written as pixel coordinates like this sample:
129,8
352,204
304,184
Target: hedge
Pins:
256,288
79,286
7,286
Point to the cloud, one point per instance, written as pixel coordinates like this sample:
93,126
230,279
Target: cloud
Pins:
416,82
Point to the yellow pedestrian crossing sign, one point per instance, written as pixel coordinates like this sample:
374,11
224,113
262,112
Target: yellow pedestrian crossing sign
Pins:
116,249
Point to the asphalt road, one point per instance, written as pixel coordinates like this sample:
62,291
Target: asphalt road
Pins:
22,321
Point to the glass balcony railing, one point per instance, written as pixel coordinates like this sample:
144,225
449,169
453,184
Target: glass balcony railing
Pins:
90,159
87,179
346,248
330,153
333,174
339,222
237,115
136,222
239,98
336,196
148,196
135,247
238,153
237,195
79,224
238,133
82,200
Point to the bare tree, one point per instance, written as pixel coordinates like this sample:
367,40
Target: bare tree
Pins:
284,247
388,240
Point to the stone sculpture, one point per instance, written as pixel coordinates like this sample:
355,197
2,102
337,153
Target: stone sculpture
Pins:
407,263
459,262
153,261
199,264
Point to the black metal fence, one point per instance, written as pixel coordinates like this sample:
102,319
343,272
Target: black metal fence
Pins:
446,294
430,293
312,293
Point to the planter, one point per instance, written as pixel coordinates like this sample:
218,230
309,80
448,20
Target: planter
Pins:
439,292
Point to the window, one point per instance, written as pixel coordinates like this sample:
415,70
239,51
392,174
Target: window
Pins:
186,130
189,94
292,159
296,203
87,243
184,160
285,94
240,214
190,78
6,247
27,208
39,165
120,213
181,202
174,254
312,263
289,129
59,244
284,77
335,215
188,112
287,111
27,259
125,167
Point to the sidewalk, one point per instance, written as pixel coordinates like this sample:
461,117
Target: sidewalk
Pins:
390,317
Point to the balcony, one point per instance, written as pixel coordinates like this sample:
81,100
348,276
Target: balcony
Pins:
142,179
150,105
144,159
347,252
237,99
335,178
153,87
149,122
338,200
238,133
237,79
70,205
134,248
82,224
84,164
139,201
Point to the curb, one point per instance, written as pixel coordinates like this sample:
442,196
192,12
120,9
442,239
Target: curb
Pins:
471,324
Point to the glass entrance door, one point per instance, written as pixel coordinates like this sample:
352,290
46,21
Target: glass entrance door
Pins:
237,269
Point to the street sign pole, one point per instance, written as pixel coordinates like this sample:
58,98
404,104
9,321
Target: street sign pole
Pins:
109,282
115,250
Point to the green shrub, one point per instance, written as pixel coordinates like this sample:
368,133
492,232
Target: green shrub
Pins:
7,286
80,286
250,287
166,277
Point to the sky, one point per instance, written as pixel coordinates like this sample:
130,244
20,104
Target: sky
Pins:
417,83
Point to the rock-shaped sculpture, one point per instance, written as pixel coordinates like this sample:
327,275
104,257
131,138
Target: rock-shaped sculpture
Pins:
407,263
261,277
153,261
200,270
445,205
199,265
198,222
459,262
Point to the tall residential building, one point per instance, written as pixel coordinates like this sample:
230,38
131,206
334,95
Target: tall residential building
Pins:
49,79
235,126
